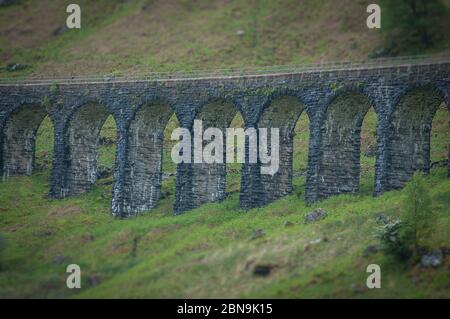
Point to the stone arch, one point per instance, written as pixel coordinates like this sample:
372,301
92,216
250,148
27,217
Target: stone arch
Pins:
283,112
410,127
340,137
209,179
18,140
144,158
82,139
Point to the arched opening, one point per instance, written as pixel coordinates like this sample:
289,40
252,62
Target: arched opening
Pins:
282,113
339,165
368,152
409,143
440,139
300,157
82,138
18,142
107,149
169,166
209,179
233,178
44,145
145,157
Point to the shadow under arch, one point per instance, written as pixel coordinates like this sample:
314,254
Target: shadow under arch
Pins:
142,176
340,143
18,140
409,144
282,111
82,140
209,179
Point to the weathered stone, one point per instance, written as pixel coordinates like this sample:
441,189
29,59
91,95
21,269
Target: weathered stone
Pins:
104,172
432,259
371,151
257,233
315,215
262,270
405,99
11,67
370,250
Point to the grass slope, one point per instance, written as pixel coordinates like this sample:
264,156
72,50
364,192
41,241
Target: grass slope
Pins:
206,252
137,35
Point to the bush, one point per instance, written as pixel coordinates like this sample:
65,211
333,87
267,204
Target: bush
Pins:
405,238
394,239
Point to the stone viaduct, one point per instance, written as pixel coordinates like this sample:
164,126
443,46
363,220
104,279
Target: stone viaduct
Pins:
405,97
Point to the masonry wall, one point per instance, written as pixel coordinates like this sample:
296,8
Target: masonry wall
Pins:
79,110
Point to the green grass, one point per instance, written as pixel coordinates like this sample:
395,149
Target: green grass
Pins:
149,35
206,252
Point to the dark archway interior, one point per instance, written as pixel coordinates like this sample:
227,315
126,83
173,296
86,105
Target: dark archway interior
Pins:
19,140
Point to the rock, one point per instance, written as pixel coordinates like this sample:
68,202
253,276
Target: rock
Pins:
371,151
240,33
104,172
166,176
93,280
258,233
370,250
442,163
432,259
446,251
314,242
165,194
59,259
262,270
11,67
357,288
287,223
315,215
106,141
60,30
383,219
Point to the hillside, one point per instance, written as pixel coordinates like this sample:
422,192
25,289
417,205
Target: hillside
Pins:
140,36
211,251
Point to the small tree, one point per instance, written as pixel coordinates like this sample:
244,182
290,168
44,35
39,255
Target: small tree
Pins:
418,214
413,24
404,238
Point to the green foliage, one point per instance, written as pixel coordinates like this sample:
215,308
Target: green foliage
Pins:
405,238
418,215
413,24
394,238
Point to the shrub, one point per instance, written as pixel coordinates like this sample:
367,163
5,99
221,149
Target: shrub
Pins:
417,214
405,238
394,239
413,24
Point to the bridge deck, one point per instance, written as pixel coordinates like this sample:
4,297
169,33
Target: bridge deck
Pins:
235,73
